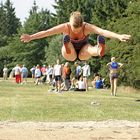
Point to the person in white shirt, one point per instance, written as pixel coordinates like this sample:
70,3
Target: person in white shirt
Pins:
80,85
5,72
37,75
49,73
17,73
57,73
86,74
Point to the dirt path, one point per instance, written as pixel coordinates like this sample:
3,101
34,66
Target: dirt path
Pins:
105,130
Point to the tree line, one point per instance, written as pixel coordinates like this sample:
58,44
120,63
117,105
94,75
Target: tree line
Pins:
121,16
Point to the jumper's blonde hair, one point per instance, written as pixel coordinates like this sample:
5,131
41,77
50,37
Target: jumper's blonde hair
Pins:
76,19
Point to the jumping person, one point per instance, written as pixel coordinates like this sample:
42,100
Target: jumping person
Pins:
75,40
114,67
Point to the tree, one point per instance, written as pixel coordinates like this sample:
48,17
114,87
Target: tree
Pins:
108,10
65,7
128,53
9,25
34,52
53,52
12,22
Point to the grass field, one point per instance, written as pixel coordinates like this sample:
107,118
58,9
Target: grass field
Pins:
35,103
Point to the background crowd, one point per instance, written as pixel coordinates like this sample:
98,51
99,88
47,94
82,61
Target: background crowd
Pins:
60,76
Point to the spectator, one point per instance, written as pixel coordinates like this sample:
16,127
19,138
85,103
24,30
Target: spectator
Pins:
86,74
78,73
98,83
33,71
114,68
37,75
24,74
5,72
93,83
80,85
43,70
66,76
50,73
17,73
57,73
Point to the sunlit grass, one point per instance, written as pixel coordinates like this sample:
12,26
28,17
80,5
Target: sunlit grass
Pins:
35,103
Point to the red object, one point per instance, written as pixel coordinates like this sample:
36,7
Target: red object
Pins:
18,78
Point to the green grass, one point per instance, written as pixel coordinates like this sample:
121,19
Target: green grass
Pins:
35,103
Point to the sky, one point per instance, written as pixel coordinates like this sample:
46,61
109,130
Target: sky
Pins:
22,7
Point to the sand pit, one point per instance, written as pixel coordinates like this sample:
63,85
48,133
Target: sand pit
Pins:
91,130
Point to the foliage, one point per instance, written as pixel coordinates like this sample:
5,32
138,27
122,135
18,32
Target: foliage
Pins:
9,22
53,52
108,10
9,25
121,16
128,53
65,7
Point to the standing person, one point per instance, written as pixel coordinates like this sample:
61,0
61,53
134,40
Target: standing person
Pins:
57,73
114,68
43,70
75,41
44,73
5,72
50,73
86,74
66,76
78,70
33,71
78,73
37,75
24,74
17,73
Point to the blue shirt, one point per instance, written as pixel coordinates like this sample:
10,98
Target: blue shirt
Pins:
99,84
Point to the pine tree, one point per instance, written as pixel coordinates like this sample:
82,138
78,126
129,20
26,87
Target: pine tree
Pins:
12,22
108,10
127,52
3,37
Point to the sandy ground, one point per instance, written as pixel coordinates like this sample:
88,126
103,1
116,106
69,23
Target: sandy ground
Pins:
91,130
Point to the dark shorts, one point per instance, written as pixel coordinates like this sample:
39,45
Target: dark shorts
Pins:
85,76
58,78
114,76
76,44
79,45
38,77
79,89
24,75
77,77
50,76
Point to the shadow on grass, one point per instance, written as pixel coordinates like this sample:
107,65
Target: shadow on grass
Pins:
137,100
